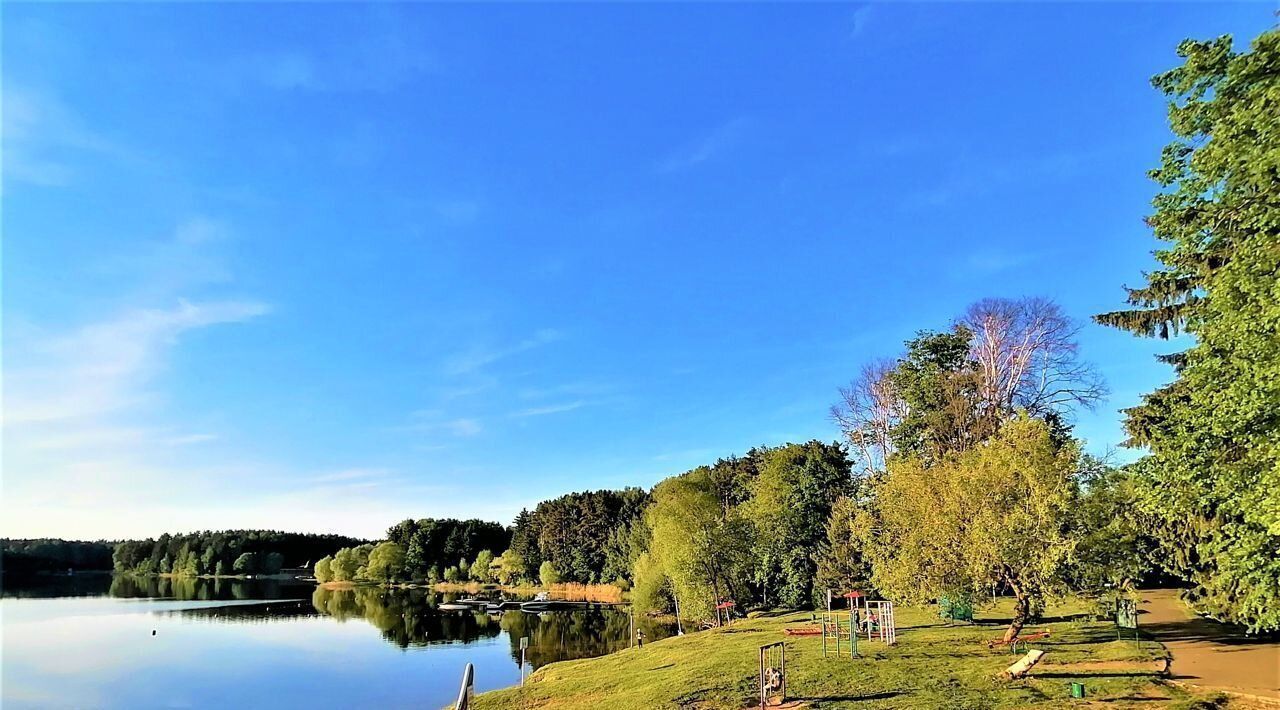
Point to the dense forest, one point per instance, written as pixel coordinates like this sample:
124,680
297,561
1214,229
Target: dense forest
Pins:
226,552
53,555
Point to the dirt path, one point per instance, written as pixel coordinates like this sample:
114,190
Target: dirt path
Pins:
1207,653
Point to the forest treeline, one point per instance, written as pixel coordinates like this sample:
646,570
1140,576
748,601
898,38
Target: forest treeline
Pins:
54,555
224,552
427,549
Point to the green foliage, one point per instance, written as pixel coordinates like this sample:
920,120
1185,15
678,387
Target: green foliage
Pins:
1115,549
652,589
481,569
246,563
48,555
432,542
548,574
995,515
576,533
702,549
386,562
451,574
790,502
510,567
842,565
1213,476
323,571
937,382
524,541
272,563
350,563
211,549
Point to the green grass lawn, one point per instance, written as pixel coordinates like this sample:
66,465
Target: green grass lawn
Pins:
933,665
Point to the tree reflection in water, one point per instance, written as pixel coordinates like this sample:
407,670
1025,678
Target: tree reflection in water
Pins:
411,617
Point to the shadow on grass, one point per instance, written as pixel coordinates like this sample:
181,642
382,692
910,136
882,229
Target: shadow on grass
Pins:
847,698
1085,675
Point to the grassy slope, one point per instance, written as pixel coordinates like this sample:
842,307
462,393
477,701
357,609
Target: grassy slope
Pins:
932,666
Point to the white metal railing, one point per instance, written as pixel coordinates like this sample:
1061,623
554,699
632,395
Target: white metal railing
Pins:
467,689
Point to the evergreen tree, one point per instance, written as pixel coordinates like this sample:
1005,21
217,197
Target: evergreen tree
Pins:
1213,475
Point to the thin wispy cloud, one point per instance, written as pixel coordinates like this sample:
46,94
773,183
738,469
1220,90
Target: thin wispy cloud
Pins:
457,211
44,140
549,409
87,413
434,422
987,262
858,20
387,55
720,139
479,357
567,389
352,474
107,365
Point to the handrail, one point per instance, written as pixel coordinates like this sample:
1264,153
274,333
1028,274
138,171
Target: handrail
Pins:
468,684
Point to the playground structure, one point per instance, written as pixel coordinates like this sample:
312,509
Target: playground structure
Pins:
838,625
880,621
874,618
1019,640
773,673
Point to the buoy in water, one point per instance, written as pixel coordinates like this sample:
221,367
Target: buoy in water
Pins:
153,632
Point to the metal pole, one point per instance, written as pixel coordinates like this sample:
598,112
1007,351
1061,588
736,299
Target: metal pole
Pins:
853,634
784,672
679,628
764,694
464,693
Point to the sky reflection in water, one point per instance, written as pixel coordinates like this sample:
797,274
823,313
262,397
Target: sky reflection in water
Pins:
87,642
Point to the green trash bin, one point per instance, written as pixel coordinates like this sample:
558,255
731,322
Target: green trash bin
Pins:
1077,690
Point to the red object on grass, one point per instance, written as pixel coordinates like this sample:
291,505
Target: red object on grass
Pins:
725,605
852,595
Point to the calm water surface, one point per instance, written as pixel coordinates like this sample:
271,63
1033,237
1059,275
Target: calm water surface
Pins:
87,642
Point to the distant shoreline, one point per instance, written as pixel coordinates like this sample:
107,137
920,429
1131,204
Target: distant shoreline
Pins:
605,593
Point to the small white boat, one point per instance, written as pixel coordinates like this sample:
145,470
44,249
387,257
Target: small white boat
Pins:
453,606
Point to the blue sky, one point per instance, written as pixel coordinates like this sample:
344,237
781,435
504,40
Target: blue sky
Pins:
323,267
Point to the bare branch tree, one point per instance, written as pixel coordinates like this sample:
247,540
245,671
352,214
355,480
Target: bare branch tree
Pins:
869,409
1028,358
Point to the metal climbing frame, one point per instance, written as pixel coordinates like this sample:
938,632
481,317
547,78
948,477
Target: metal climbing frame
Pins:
880,622
834,629
773,673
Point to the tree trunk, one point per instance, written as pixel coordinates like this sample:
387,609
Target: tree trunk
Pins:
1021,611
1019,669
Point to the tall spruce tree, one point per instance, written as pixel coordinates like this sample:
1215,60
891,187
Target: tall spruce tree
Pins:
1213,474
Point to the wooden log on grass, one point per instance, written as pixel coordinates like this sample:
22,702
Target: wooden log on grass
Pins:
1019,669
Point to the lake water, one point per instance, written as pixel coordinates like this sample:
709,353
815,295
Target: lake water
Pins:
87,641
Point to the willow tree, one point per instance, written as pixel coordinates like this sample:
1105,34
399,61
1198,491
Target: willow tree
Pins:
697,544
995,515
1213,474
